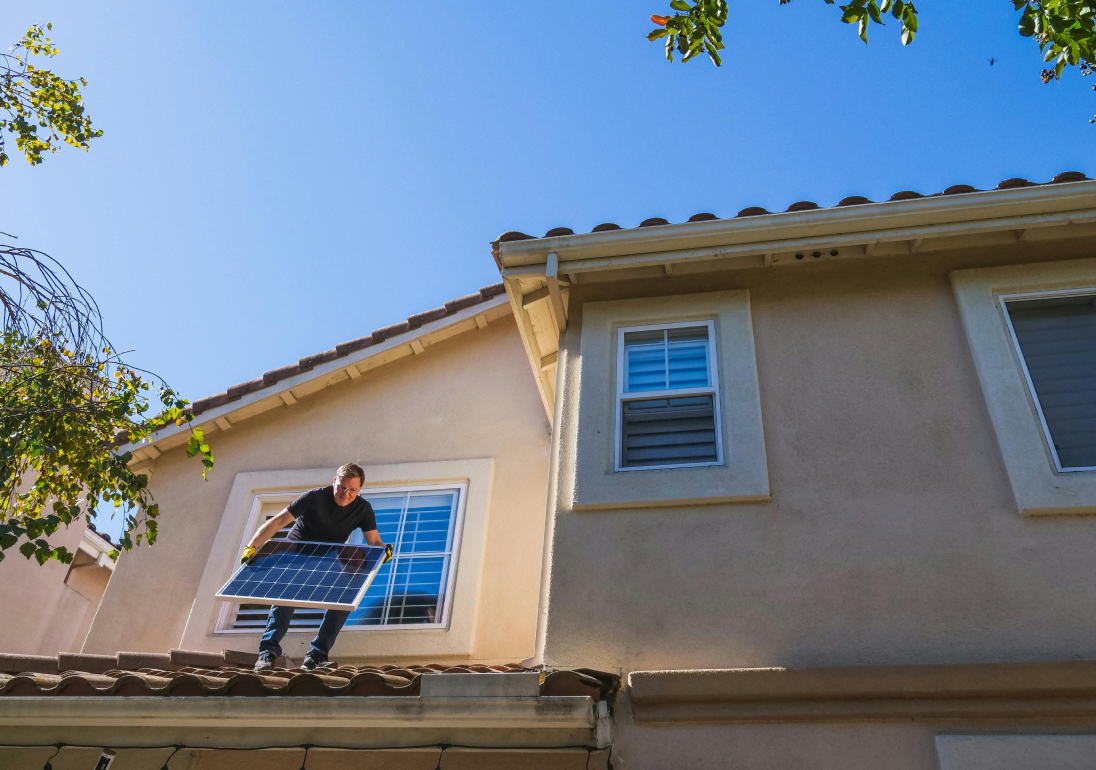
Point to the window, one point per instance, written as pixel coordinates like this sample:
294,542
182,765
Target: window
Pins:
668,397
414,587
1030,336
1055,336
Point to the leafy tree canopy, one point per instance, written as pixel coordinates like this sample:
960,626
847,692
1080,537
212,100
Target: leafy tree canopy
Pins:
67,398
38,99
1064,29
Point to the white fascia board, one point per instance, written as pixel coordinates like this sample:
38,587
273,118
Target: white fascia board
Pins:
97,548
321,370
241,722
1044,204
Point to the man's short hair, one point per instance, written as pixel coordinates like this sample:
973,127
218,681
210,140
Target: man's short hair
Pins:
350,471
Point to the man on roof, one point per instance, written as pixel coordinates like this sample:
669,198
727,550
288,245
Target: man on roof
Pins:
326,515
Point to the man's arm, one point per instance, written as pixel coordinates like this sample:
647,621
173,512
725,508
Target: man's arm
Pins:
373,537
267,531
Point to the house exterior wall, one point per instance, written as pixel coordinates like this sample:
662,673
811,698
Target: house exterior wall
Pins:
47,608
467,398
892,535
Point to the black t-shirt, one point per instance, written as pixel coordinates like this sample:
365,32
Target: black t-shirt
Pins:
319,518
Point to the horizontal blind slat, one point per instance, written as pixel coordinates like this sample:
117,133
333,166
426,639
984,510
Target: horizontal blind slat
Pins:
668,431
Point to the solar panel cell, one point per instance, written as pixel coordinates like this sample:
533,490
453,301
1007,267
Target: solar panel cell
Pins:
298,573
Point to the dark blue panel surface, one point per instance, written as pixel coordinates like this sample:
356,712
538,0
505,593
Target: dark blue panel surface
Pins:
302,573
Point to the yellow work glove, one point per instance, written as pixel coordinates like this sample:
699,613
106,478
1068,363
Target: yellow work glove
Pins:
387,553
248,553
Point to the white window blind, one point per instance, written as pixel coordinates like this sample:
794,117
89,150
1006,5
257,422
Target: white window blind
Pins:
668,413
411,588
1056,337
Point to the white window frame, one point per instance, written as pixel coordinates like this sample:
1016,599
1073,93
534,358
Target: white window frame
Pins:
1033,295
712,389
226,616
1037,486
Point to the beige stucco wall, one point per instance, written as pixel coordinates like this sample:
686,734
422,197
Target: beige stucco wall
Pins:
41,613
468,397
892,536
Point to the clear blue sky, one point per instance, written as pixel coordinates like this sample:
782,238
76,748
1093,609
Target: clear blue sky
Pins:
275,178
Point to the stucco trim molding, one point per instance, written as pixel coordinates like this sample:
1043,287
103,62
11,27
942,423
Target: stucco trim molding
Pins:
1054,690
743,477
344,721
250,489
1039,489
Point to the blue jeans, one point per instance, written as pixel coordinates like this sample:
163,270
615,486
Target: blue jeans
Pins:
277,624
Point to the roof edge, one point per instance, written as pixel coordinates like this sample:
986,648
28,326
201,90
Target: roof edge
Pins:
321,369
952,209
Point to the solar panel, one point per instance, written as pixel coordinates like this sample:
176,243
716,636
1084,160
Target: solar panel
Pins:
301,573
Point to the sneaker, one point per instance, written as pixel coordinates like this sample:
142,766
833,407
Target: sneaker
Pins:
265,661
312,661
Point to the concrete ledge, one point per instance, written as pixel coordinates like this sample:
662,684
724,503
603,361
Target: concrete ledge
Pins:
866,693
494,685
241,722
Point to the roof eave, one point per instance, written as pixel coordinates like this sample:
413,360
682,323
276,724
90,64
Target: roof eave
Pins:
865,230
171,434
865,218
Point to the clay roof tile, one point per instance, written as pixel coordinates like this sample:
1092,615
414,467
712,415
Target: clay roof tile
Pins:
906,195
493,290
1068,176
352,346
243,388
209,402
195,673
752,211
281,373
379,335
958,189
419,319
513,235
460,303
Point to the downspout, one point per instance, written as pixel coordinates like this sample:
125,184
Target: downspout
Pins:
549,516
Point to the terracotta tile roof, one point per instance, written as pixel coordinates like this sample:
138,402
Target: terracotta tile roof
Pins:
754,211
189,673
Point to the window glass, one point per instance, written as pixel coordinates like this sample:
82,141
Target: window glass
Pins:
410,589
666,359
668,431
1057,340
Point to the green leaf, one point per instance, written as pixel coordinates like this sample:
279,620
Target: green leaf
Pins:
680,5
